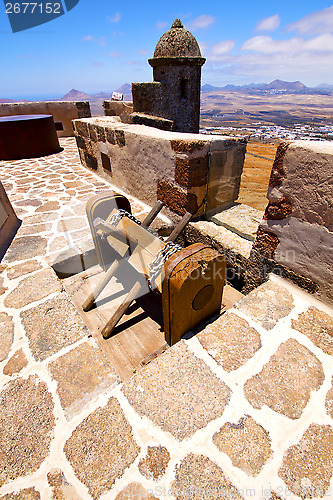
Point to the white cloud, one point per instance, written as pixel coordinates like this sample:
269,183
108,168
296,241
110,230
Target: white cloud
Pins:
97,64
312,64
266,45
315,23
323,43
201,22
269,23
115,18
222,48
114,53
90,38
143,52
161,25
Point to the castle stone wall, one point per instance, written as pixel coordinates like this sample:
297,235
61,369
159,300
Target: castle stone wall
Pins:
193,172
297,230
63,112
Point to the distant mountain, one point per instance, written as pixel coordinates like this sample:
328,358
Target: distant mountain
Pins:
275,85
125,89
324,86
4,101
102,95
209,88
75,95
282,85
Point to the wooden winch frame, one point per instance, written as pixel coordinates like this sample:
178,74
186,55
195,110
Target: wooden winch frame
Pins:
179,279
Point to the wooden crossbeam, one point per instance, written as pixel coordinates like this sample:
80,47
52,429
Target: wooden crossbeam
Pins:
122,247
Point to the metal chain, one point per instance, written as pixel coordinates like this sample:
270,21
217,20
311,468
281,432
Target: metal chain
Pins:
116,218
119,214
162,256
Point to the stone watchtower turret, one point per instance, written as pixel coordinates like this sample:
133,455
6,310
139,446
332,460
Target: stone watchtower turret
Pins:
175,93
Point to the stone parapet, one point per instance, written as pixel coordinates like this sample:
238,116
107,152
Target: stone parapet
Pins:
117,108
63,112
297,229
147,98
194,172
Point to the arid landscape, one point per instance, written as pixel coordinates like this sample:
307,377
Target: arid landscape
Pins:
236,108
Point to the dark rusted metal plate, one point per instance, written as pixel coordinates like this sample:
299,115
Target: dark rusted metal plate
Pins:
27,136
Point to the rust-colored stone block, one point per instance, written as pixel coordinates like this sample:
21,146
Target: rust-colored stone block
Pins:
92,132
100,133
191,172
176,198
120,138
110,137
279,210
90,161
266,243
81,128
278,172
80,142
181,146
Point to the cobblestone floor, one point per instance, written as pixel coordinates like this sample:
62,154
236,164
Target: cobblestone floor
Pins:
242,410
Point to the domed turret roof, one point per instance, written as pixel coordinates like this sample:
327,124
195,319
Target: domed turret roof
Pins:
177,42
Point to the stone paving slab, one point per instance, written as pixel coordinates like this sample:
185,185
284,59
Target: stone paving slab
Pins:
230,341
101,448
318,326
267,304
33,288
286,381
61,488
197,477
81,374
16,363
135,490
52,325
6,334
247,444
178,393
26,247
154,464
26,425
307,467
26,494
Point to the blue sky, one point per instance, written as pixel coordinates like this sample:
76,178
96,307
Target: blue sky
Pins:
98,46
